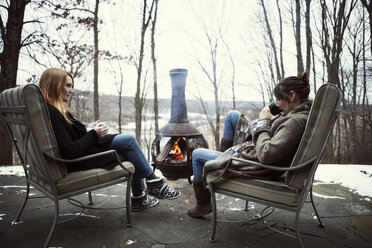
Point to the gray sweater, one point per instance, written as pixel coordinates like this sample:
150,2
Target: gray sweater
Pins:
272,143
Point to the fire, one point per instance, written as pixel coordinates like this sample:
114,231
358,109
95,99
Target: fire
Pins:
176,151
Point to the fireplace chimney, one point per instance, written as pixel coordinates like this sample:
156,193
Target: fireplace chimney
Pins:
178,125
178,105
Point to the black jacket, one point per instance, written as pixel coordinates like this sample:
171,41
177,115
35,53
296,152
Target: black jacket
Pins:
74,141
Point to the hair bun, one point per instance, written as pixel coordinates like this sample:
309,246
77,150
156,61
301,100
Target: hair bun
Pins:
305,77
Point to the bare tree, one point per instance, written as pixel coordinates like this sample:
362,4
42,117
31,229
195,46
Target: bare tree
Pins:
366,112
308,37
95,62
212,69
155,75
119,87
343,27
280,38
296,25
356,52
269,69
232,74
139,101
11,42
279,74
300,65
332,37
90,21
70,54
119,83
368,6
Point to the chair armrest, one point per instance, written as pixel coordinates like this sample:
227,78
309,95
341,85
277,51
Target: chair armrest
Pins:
251,162
292,168
223,171
100,154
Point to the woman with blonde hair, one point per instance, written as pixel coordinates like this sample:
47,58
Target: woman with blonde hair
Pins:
75,141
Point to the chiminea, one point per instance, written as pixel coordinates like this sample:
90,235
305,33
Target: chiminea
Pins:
173,146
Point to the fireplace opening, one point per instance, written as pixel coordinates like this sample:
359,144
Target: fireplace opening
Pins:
173,155
174,151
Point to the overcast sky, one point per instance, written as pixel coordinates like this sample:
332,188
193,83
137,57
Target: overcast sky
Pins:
181,40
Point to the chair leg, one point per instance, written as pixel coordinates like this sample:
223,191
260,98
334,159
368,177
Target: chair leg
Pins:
90,198
214,213
127,201
55,220
316,212
24,202
297,226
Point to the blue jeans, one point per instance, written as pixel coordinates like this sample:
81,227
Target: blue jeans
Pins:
231,120
201,155
128,149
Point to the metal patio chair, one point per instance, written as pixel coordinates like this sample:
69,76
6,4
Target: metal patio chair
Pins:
291,192
27,119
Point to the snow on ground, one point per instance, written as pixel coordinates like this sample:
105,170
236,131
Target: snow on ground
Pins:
356,177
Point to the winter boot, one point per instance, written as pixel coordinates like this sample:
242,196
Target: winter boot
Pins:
225,144
203,201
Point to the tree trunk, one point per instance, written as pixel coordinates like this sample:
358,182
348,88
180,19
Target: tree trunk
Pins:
138,101
281,38
314,70
369,10
11,37
232,77
155,77
332,47
95,61
120,98
300,65
272,42
308,37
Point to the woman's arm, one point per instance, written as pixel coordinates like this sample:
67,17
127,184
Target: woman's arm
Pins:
68,147
283,144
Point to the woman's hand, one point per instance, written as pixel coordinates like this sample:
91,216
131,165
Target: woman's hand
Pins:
266,114
101,128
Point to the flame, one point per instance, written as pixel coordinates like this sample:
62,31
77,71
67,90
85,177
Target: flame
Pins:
176,151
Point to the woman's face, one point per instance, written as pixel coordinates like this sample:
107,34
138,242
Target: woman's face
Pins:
287,105
284,106
67,90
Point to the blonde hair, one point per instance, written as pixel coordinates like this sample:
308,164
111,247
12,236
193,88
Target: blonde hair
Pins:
51,84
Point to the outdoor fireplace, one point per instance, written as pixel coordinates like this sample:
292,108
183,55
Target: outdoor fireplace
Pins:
173,146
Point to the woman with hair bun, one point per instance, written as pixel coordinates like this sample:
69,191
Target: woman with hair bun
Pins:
270,139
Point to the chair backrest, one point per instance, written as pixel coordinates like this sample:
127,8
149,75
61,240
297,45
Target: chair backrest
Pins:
27,118
322,117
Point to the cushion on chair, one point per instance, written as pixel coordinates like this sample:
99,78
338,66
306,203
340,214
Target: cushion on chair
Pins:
82,179
42,129
42,136
275,191
316,132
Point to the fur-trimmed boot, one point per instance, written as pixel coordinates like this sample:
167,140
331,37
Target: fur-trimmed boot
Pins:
225,144
203,201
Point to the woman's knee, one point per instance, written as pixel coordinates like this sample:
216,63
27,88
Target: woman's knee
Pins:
123,142
127,139
197,153
232,115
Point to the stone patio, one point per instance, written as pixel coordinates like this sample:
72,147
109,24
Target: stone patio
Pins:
347,216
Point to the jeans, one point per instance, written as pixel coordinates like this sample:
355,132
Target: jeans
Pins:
231,120
128,149
201,155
